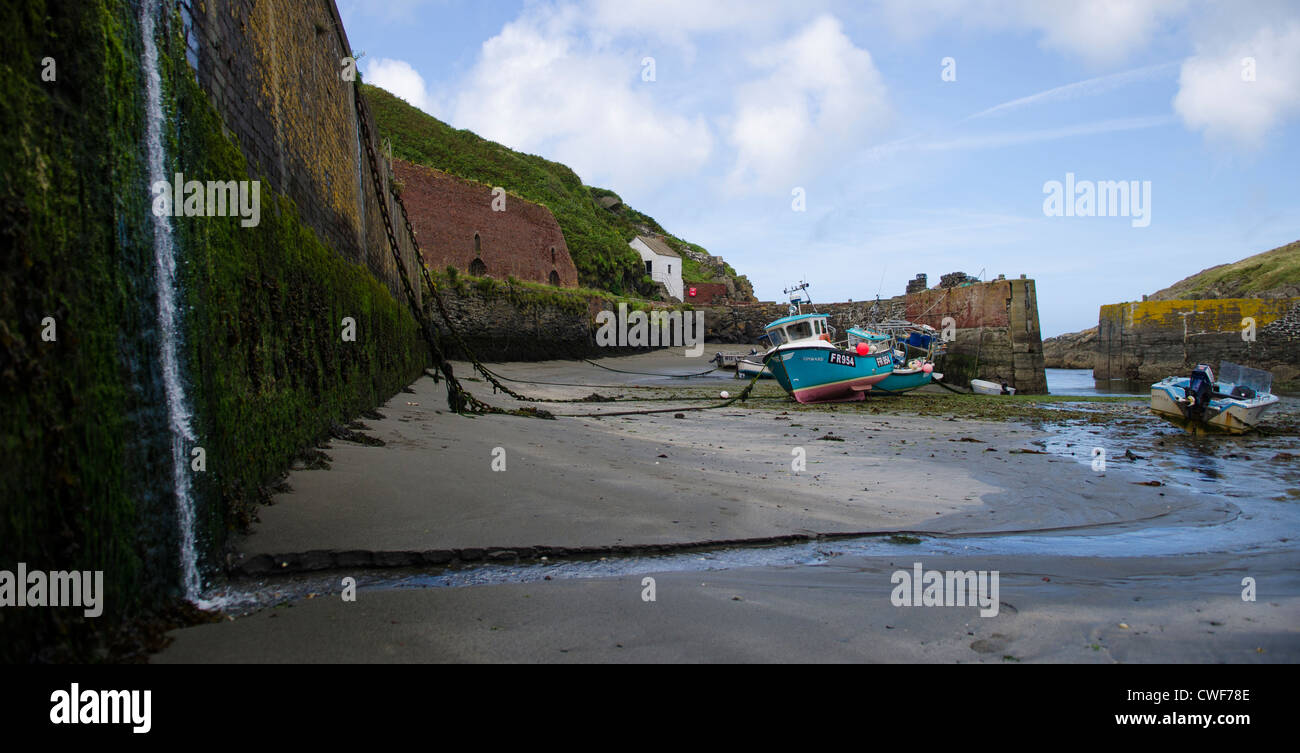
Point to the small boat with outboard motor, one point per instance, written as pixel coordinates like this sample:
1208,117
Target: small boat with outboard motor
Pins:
728,360
1232,404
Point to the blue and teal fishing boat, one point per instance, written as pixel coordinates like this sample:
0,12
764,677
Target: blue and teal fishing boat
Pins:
912,347
809,367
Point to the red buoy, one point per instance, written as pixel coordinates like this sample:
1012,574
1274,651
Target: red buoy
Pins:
863,349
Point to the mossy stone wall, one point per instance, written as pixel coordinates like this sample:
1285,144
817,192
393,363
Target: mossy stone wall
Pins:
86,478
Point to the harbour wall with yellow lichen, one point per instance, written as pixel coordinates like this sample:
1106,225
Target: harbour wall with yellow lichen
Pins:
1148,340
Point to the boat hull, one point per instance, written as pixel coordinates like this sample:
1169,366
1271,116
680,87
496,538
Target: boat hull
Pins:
1222,416
826,375
984,387
746,369
899,382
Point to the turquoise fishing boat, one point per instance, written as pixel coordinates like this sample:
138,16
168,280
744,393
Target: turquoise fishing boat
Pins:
812,370
913,348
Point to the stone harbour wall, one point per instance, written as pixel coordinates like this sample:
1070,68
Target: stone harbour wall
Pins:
1149,340
274,71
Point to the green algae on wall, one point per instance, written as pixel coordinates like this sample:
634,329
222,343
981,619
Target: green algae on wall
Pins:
269,367
85,482
71,248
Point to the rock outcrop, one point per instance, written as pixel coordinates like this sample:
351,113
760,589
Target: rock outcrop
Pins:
1073,350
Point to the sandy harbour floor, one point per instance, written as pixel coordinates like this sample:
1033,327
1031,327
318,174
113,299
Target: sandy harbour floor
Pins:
751,559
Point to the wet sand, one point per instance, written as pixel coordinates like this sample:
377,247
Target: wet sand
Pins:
1053,609
725,475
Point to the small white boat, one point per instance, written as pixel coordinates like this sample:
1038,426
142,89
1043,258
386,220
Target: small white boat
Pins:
728,360
748,366
1233,404
985,387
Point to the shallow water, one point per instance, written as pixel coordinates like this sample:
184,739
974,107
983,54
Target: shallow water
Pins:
1080,382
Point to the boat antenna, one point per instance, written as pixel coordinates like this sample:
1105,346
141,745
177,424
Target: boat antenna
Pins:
794,289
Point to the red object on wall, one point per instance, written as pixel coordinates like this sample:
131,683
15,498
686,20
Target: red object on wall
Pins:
455,224
707,292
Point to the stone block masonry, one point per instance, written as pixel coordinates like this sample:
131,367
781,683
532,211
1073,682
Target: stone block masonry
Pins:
998,335
456,224
1150,340
88,480
274,71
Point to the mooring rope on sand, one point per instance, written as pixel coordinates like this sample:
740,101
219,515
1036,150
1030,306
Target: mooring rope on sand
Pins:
650,373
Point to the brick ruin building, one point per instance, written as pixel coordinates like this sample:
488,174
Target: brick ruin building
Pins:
456,225
706,292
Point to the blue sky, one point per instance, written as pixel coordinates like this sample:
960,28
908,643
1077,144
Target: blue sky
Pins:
900,170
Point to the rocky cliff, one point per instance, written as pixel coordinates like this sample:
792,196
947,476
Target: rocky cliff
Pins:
1073,350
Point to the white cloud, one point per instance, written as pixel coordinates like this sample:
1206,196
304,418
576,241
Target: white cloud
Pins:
398,77
821,95
542,84
1214,98
1098,31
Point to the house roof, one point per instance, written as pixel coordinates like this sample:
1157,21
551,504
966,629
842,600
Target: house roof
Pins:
658,246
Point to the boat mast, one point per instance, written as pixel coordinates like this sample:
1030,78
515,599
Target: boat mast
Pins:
796,303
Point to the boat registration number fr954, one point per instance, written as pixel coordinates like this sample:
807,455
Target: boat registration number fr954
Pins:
848,359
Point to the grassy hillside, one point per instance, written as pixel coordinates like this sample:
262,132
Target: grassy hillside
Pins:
597,237
1272,274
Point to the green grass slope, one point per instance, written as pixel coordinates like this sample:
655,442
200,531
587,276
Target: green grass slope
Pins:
1271,274
597,237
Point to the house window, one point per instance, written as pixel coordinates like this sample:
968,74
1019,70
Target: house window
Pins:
648,267
552,254
478,245
477,268
670,269
555,278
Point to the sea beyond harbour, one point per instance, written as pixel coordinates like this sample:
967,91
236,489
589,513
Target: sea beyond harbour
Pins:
1080,382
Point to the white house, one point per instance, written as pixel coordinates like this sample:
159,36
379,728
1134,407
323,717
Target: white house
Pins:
661,262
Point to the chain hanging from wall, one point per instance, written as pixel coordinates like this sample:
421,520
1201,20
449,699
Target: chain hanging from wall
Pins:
459,399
